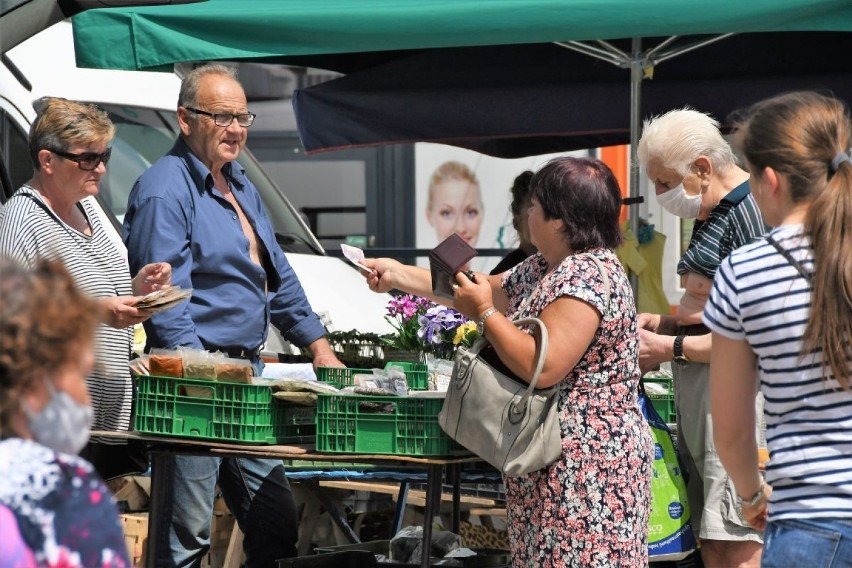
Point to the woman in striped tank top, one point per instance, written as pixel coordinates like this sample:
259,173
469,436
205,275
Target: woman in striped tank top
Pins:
781,315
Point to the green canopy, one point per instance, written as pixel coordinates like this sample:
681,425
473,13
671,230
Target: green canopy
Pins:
268,30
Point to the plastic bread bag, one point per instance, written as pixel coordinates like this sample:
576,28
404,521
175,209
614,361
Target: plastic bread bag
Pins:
199,364
166,363
231,370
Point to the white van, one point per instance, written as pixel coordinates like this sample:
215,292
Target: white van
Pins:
142,106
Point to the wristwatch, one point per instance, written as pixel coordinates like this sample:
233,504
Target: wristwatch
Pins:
755,499
677,349
480,327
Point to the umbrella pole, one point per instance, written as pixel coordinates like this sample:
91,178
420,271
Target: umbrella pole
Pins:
636,74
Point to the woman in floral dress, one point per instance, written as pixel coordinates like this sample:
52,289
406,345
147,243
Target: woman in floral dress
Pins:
590,507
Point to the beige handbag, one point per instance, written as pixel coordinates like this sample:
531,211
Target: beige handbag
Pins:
500,418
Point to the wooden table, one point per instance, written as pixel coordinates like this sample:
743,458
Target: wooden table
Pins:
161,446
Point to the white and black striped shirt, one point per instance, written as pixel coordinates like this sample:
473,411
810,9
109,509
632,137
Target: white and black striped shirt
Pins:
761,297
29,230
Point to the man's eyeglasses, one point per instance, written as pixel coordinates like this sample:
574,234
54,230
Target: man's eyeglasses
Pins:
87,161
224,119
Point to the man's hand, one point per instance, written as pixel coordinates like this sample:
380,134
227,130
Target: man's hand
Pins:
323,354
653,350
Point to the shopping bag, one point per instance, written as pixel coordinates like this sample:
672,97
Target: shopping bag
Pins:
670,534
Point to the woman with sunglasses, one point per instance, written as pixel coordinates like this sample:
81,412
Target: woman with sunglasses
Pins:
51,216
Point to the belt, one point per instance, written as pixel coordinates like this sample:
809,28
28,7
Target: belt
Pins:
238,352
697,329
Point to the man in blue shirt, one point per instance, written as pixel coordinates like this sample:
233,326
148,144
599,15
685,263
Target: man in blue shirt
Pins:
195,209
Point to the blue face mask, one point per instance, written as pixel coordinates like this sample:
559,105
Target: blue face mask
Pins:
63,425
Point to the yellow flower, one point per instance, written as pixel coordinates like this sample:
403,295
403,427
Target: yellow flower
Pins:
462,331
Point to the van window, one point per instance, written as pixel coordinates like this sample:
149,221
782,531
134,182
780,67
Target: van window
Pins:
143,135
13,143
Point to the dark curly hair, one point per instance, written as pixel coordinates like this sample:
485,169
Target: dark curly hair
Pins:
44,319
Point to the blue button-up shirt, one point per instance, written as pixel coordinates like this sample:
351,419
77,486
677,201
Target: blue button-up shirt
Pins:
175,215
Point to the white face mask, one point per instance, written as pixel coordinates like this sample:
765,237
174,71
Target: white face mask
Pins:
63,425
677,202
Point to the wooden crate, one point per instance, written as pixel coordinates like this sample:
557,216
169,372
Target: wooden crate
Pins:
135,527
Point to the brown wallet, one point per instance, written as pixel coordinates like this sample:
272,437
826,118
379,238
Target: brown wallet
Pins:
445,260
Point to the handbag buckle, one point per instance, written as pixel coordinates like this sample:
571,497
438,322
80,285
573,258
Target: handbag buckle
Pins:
516,414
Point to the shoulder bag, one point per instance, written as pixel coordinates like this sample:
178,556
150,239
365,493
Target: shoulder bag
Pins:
499,417
502,419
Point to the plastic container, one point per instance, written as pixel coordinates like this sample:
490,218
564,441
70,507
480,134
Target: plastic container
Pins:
663,403
382,425
197,408
416,374
344,559
340,376
485,557
293,423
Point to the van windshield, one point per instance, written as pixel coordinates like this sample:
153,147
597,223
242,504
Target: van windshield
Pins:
143,135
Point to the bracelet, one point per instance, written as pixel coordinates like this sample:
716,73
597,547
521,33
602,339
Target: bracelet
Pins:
480,327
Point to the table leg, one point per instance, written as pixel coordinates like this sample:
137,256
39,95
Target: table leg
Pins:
454,472
399,510
433,502
334,512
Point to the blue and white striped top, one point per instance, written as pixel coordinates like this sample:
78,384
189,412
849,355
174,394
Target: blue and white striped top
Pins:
760,297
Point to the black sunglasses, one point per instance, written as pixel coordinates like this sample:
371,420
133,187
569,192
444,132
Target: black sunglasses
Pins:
87,161
224,119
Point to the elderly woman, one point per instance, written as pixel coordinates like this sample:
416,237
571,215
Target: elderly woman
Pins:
51,217
695,176
591,506
64,513
781,325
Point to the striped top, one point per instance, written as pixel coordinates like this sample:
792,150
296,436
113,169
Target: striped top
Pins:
734,222
760,297
29,230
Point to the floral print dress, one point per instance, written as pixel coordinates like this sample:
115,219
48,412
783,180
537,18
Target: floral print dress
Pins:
65,514
591,507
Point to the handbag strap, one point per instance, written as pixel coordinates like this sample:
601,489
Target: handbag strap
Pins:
521,405
789,258
605,278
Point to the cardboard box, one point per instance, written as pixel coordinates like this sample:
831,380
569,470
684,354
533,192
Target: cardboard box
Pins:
132,493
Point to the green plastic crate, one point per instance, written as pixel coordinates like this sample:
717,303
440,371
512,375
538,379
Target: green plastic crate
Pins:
351,424
210,410
293,423
416,374
340,376
663,403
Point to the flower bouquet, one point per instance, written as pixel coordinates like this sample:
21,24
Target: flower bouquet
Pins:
426,327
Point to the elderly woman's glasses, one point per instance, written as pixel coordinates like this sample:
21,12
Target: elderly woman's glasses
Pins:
87,161
224,119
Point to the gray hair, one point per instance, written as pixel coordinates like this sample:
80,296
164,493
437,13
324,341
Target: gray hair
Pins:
678,137
188,96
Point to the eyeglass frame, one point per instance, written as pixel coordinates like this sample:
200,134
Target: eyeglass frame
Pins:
81,157
232,116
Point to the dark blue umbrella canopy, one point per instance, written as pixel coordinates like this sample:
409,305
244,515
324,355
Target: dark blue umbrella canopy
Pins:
520,100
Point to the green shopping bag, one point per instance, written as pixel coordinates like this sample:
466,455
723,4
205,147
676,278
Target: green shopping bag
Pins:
669,530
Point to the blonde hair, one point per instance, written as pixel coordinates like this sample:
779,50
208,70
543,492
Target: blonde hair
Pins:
62,123
448,171
678,137
798,135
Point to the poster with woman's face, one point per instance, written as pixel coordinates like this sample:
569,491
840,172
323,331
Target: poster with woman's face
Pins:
465,192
